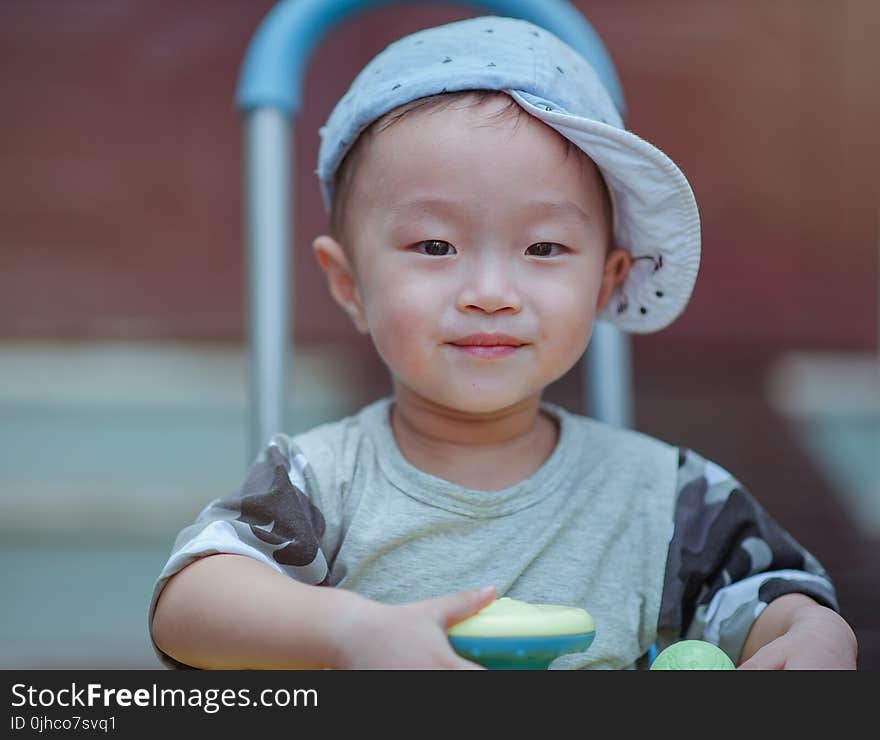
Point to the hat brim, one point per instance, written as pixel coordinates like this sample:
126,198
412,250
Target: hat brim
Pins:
655,216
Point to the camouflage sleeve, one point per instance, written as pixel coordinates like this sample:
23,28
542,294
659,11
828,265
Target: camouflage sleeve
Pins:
727,560
270,518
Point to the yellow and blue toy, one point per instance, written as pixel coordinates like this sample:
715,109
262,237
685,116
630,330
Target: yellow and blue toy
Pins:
514,634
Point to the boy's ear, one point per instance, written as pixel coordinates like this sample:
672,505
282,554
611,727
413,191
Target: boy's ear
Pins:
341,279
617,265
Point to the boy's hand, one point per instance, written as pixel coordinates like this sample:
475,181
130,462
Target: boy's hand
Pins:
408,635
818,638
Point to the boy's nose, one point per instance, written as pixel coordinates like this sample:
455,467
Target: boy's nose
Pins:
490,287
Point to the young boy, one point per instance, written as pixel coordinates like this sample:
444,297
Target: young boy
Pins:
486,207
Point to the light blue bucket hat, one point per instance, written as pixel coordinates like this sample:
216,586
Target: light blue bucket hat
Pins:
655,214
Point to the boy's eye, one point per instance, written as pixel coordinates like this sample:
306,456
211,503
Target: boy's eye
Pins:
435,247
543,249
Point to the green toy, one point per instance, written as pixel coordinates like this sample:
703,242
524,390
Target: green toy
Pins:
692,655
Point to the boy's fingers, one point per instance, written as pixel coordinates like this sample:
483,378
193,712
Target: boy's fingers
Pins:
771,657
456,607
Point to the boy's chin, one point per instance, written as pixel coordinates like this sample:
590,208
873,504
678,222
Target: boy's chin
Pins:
481,400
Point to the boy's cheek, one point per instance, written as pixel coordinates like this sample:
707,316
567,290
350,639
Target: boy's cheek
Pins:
400,307
569,322
393,334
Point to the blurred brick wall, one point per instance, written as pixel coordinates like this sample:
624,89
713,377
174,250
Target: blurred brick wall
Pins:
120,195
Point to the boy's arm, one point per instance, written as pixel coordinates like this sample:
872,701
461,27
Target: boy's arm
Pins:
729,562
232,611
795,632
237,568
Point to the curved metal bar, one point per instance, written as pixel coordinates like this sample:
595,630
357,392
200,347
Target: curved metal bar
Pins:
274,66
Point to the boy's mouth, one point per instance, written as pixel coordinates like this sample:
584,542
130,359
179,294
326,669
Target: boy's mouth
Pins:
488,345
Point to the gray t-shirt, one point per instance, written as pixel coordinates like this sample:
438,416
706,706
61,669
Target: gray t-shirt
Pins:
656,542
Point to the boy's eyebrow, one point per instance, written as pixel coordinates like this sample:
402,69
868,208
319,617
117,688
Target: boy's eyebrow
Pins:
423,205
560,209
432,204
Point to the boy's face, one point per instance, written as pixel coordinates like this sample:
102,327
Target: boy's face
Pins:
462,225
